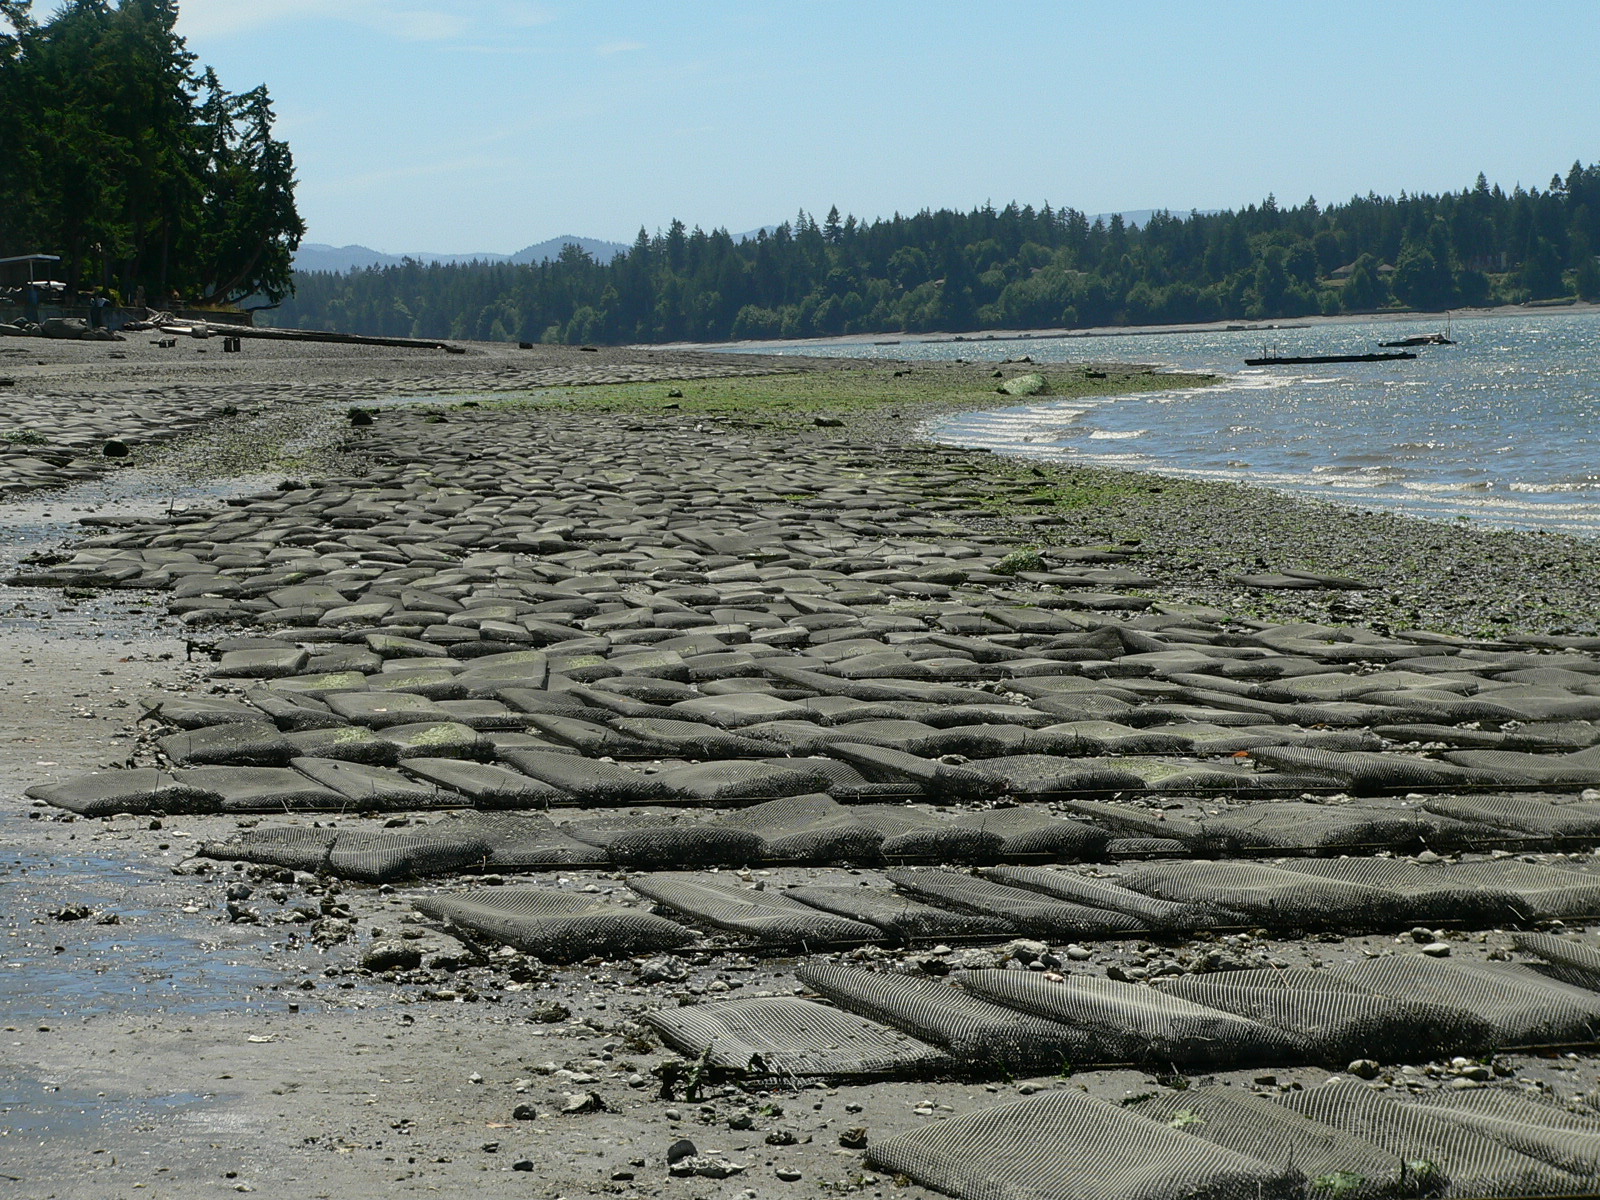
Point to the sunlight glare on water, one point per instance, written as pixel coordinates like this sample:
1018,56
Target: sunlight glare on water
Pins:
1502,428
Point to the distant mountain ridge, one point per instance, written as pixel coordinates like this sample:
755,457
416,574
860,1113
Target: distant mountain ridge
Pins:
319,256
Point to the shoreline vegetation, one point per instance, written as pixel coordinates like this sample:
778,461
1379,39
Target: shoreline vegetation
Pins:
1016,267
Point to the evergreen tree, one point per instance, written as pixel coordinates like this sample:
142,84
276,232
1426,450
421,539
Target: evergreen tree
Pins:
135,167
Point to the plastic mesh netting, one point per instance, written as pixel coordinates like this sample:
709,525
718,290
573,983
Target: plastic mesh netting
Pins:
1450,1156
553,925
1536,892
1289,825
1421,892
1366,773
1137,1023
1335,1018
270,789
136,790
1266,1130
1029,912
525,841
812,829
1272,896
252,743
651,840
1513,768
1536,818
879,764
691,739
742,782
1526,1125
1565,959
373,787
1067,1144
1154,914
1048,775
912,833
769,917
1031,833
355,854
486,785
901,917
982,1035
1525,1008
592,782
785,1036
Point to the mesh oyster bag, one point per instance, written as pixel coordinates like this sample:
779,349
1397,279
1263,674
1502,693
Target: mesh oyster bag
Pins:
554,925
651,840
131,790
1440,1154
1525,1008
525,841
1029,912
1273,896
1527,1125
1422,892
911,833
784,1036
901,917
1336,1018
813,828
1321,1155
1564,959
1525,819
1165,916
985,1037
369,857
769,917
1139,1024
1067,1144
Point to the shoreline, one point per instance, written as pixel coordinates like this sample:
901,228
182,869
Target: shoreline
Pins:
243,1056
989,336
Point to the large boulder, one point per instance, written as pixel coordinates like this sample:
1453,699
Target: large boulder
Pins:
65,327
1023,385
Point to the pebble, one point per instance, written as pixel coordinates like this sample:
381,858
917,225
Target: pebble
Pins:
682,1148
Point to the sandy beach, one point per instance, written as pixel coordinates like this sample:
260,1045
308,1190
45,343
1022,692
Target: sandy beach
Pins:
180,1025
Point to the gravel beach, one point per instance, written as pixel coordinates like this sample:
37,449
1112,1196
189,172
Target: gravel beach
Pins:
441,590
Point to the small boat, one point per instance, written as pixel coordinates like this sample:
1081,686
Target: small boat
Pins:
1422,339
1297,359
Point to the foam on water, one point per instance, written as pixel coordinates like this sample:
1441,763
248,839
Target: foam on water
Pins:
1502,428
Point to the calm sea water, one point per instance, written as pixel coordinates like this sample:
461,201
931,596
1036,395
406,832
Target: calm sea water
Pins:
1502,428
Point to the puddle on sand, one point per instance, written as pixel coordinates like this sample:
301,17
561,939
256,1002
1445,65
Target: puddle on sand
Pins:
43,1108
156,959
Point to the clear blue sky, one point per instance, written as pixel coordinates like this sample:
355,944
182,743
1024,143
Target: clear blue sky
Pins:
486,125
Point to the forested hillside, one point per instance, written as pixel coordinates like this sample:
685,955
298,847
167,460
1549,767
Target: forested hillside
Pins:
1013,267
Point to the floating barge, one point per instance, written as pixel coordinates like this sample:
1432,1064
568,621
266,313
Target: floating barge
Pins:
1296,359
1423,339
